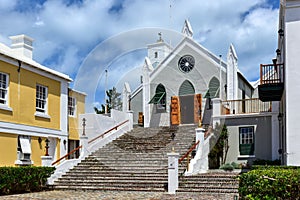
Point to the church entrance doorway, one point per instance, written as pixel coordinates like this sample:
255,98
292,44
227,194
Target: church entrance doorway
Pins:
187,109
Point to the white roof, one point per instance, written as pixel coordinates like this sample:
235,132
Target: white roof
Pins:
5,50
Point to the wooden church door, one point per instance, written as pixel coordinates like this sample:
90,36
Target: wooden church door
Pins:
175,111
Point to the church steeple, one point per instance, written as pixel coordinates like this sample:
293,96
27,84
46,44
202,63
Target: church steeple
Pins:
187,29
158,51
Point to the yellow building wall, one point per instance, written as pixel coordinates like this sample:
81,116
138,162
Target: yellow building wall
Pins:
37,150
73,121
8,149
22,98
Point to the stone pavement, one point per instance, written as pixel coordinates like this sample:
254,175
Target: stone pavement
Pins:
114,195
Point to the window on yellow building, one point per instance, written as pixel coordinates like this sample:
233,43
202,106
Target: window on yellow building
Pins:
24,147
41,98
71,106
3,88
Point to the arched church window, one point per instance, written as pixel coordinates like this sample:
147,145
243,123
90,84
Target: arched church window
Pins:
186,88
213,88
160,97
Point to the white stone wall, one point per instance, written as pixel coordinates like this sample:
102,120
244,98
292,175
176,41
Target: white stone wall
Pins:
292,81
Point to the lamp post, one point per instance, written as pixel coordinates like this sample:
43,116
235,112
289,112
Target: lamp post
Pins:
105,96
47,147
83,126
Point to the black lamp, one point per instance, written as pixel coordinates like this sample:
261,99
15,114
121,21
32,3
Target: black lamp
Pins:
278,52
40,140
281,32
47,146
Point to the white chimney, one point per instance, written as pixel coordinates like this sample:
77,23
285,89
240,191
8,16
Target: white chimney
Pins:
22,45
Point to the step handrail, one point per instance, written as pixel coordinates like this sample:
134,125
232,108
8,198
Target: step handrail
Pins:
102,135
106,132
188,152
65,156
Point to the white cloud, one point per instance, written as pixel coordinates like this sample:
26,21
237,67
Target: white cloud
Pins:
65,34
7,5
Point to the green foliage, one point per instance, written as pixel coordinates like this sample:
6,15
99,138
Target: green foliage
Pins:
15,180
218,154
231,166
113,101
271,183
227,167
266,162
271,167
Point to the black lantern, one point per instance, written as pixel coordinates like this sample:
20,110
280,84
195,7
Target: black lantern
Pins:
83,126
281,32
40,140
47,146
278,52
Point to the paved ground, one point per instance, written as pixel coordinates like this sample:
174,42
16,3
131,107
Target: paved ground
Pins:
81,195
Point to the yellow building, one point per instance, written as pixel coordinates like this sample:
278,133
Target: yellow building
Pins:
76,106
34,106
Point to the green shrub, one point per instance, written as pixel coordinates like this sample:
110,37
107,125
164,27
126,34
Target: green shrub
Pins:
227,167
266,162
15,180
236,165
261,167
273,183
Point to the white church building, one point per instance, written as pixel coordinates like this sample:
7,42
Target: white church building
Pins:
189,85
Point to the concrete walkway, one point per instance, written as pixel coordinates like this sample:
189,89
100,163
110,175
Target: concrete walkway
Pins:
114,195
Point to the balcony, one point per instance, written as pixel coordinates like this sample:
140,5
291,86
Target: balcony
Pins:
271,82
245,106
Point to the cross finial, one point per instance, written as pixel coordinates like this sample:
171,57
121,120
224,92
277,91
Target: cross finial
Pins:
160,37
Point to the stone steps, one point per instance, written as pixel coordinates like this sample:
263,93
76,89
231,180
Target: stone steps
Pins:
210,182
112,188
137,161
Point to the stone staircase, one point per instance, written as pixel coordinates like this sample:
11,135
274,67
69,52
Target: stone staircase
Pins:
137,161
211,182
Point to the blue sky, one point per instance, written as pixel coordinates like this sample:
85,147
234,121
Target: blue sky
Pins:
65,32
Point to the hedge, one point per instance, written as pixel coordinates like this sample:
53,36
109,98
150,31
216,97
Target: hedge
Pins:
270,183
15,180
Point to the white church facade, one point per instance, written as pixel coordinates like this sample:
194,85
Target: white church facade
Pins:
189,85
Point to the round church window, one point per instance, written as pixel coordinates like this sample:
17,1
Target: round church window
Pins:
186,63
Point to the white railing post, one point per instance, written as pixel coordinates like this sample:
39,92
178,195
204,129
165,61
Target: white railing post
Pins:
46,161
199,164
130,118
84,141
172,172
217,105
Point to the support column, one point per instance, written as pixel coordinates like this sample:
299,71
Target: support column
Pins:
199,164
84,144
217,105
83,141
200,136
172,172
130,118
147,69
46,161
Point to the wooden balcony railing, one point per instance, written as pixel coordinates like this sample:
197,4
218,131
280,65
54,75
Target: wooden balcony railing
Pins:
244,106
271,73
100,136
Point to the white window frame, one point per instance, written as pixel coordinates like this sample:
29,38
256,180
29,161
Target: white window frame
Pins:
41,111
4,86
248,139
24,150
41,98
72,106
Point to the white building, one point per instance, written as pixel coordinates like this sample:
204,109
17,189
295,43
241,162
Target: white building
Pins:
188,84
